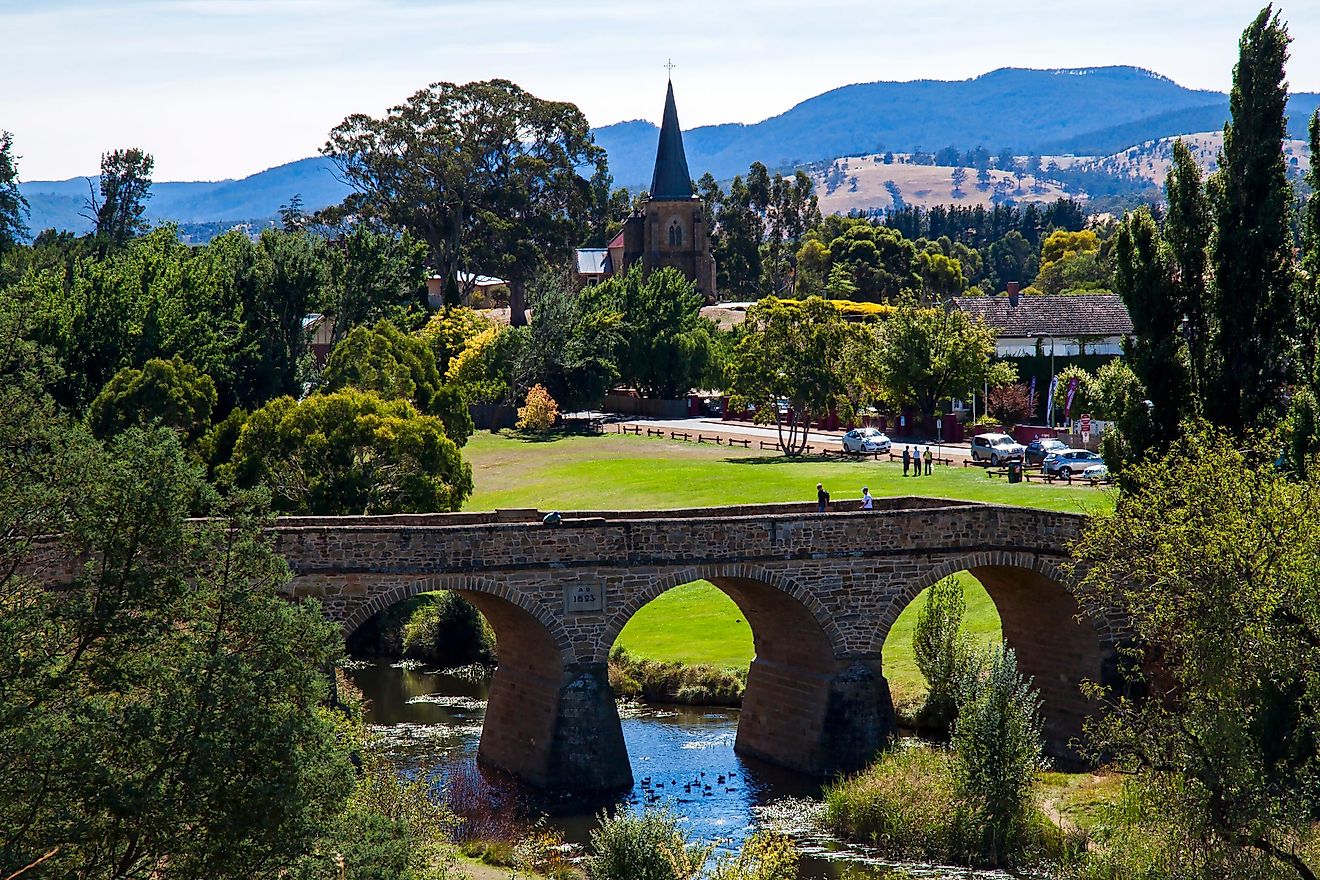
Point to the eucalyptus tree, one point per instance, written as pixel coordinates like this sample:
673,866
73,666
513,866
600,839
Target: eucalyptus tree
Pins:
485,173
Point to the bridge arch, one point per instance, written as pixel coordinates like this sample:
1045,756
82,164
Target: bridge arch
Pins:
1056,644
807,705
526,731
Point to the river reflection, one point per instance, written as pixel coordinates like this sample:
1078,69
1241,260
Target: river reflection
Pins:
682,757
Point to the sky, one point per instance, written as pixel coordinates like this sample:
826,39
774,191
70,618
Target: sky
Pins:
225,88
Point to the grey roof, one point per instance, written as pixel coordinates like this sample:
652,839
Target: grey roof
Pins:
1060,315
671,180
591,261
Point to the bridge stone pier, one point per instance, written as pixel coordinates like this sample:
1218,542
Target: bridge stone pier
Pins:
820,591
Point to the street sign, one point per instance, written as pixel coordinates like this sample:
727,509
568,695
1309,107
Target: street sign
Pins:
1084,423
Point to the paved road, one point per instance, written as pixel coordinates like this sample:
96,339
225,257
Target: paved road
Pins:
744,430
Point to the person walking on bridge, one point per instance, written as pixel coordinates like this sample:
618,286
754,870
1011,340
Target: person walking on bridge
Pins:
822,498
868,503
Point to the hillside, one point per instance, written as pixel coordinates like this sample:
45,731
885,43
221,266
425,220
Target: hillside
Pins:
866,183
1093,111
1087,112
58,203
1150,160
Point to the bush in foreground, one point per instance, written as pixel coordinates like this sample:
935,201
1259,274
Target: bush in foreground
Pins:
970,804
646,845
658,681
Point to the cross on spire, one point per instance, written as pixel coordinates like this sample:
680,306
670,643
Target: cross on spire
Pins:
669,66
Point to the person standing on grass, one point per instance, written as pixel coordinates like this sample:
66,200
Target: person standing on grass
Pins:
822,498
868,503
907,459
930,459
916,461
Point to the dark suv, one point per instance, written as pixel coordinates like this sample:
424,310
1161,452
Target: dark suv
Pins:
1037,450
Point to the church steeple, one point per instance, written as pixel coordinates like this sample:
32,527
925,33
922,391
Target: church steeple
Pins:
671,180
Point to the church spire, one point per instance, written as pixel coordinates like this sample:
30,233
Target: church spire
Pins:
671,180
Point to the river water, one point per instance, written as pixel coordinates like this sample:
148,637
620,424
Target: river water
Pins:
682,757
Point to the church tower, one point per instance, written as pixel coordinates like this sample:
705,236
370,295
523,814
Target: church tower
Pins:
671,229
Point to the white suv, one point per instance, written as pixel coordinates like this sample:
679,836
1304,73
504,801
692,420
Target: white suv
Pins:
996,448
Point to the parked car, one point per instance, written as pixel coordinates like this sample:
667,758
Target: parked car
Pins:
1096,473
1067,462
996,448
1037,450
865,440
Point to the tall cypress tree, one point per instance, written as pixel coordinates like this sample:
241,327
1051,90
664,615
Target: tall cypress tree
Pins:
1144,278
1187,235
1252,299
1308,281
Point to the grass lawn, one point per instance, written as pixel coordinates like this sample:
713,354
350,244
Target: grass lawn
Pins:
623,472
696,623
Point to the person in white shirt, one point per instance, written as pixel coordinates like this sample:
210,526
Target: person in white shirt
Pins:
867,500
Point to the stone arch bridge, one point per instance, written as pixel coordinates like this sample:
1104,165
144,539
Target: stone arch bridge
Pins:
820,591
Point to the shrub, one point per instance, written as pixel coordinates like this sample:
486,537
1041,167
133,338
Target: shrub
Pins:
904,803
940,650
448,631
1010,404
672,682
540,412
766,855
997,747
643,846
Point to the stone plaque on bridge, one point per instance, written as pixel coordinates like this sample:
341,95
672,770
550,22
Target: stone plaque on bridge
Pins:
584,598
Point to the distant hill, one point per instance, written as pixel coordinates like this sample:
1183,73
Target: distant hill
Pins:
868,184
1150,160
1080,112
58,203
1090,111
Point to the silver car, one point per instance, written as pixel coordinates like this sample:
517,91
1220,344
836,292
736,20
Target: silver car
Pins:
996,448
1067,462
865,440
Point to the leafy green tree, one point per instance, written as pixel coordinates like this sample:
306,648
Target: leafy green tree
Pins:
928,355
13,207
788,351
351,453
1210,559
1010,258
736,243
569,349
171,393
860,375
385,360
374,276
132,745
881,260
125,187
665,347
484,172
1252,301
940,650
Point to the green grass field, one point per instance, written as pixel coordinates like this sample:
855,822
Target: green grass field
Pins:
697,623
620,472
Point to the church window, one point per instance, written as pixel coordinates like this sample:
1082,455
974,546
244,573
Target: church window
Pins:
675,234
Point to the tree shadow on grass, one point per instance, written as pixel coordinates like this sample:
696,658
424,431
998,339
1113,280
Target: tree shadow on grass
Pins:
792,459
